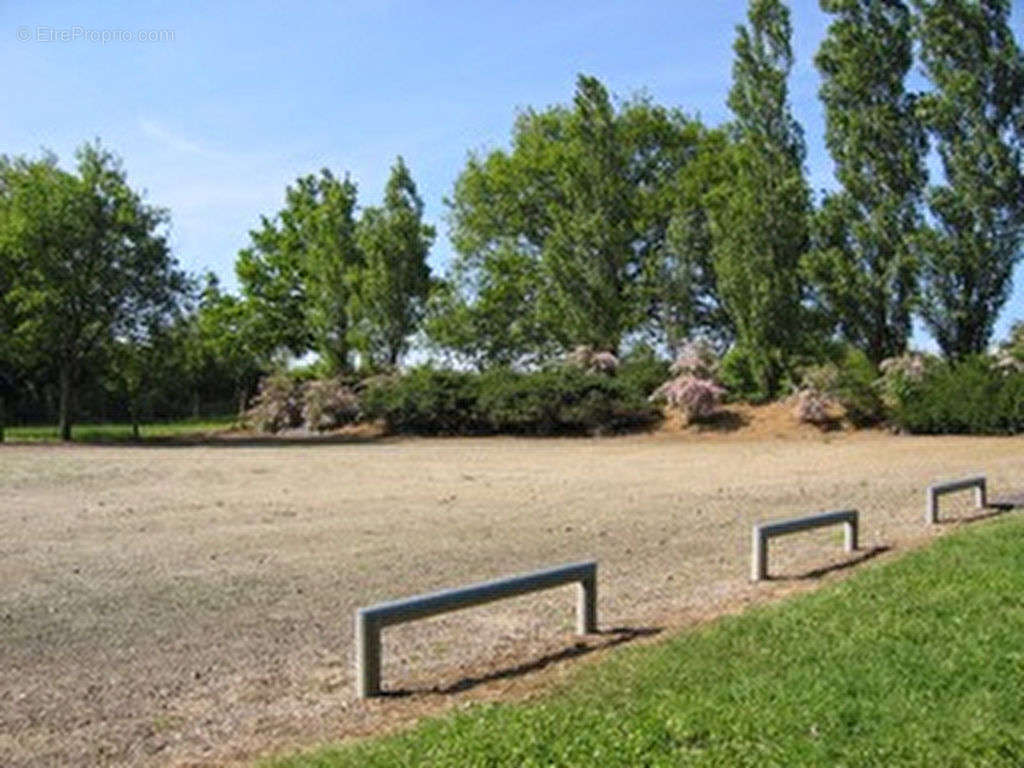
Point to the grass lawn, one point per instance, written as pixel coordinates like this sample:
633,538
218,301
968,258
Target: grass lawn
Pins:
916,662
119,433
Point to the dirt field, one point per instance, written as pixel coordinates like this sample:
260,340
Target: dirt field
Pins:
193,605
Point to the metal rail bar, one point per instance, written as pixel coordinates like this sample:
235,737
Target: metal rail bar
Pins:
372,619
931,511
762,532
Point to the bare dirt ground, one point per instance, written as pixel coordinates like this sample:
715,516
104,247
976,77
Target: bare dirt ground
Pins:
193,605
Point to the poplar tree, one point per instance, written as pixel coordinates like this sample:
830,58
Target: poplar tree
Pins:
758,216
975,113
862,266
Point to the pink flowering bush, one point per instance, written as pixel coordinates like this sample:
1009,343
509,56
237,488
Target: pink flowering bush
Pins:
697,398
694,389
696,358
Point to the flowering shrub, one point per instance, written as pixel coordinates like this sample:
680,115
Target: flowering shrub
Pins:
693,389
276,405
814,407
697,398
592,361
696,358
901,376
328,403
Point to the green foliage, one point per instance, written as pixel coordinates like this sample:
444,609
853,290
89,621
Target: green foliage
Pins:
561,241
758,216
975,114
85,261
300,270
861,265
850,382
642,371
425,400
561,400
739,374
970,396
912,663
557,400
394,283
856,389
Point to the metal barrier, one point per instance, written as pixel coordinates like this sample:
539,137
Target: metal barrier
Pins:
764,531
931,511
371,620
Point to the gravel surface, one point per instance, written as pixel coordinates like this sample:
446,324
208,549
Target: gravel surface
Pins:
193,605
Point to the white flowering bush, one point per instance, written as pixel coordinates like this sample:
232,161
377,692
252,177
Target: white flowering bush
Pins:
327,404
276,405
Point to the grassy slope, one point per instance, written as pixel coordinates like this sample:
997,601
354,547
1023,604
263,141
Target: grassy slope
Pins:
115,433
918,662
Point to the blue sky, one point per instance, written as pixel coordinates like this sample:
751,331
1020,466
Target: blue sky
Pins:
230,103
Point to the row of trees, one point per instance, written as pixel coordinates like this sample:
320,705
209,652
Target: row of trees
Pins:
604,225
91,294
601,226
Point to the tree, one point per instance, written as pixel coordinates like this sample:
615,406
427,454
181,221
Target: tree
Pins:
692,305
975,113
395,280
862,266
300,269
758,216
227,340
88,257
559,240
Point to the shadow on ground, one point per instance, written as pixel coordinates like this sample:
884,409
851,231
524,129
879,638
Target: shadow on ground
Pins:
608,638
994,509
862,557
722,421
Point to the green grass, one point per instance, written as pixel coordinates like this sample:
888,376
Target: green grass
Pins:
116,433
916,662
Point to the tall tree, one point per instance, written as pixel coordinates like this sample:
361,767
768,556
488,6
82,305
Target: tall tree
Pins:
395,279
975,113
88,257
862,266
557,240
759,217
300,269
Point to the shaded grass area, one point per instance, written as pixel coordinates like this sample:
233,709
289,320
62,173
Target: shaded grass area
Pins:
120,432
916,662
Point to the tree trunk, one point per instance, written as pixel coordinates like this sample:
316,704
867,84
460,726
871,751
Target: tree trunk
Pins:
241,402
2,418
65,402
135,421
195,403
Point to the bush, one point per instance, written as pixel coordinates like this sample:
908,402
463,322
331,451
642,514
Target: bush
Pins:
693,389
425,401
737,375
970,397
642,371
697,398
328,404
276,405
562,400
